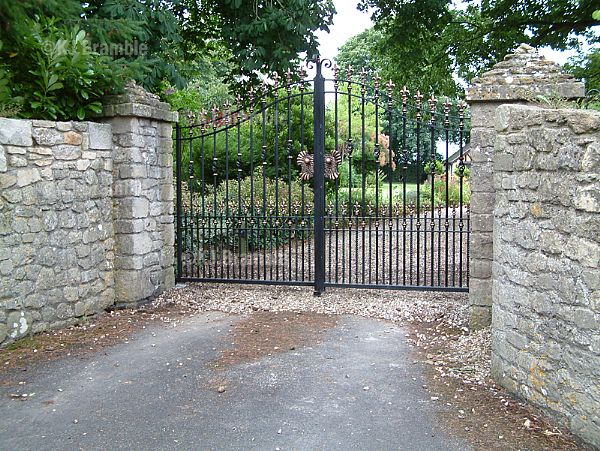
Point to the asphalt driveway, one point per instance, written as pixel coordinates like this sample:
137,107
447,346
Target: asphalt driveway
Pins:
230,382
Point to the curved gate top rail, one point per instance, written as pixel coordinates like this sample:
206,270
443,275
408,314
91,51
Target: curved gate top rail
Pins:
337,182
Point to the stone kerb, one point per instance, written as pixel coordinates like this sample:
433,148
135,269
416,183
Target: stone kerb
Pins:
520,78
142,193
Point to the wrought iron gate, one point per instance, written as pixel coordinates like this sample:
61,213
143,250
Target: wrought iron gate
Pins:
325,182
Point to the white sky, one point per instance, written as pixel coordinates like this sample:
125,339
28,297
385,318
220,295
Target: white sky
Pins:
348,22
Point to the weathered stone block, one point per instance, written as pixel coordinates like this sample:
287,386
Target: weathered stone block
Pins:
132,208
135,244
100,136
27,176
479,317
47,136
15,132
66,152
73,138
3,163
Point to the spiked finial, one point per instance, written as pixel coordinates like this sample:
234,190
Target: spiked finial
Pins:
203,120
336,76
363,75
214,112
432,108
227,112
390,87
376,80
447,105
418,99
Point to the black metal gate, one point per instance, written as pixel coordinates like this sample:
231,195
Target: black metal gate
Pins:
325,182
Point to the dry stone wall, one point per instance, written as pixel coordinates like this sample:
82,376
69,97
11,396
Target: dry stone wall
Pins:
546,264
85,214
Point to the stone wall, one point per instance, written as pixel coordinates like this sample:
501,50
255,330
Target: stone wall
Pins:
546,270
519,78
56,229
85,214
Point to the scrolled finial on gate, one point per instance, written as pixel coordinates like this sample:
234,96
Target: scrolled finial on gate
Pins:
404,93
190,118
363,81
227,112
214,111
301,73
376,80
265,90
390,87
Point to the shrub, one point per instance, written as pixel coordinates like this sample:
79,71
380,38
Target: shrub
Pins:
439,191
233,220
66,80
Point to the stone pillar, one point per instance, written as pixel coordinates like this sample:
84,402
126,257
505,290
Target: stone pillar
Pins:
142,194
520,78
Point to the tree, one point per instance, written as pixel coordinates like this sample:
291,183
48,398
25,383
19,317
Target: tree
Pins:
374,50
476,34
171,41
255,35
586,67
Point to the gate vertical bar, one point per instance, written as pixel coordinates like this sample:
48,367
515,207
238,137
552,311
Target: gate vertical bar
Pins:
319,176
178,188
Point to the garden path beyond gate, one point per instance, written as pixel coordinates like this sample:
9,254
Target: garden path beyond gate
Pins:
325,182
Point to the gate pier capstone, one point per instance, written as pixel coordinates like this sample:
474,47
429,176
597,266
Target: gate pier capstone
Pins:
520,78
142,156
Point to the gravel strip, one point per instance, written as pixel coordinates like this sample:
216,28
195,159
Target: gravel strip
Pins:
399,306
444,315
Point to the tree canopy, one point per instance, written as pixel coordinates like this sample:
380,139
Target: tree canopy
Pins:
158,43
430,40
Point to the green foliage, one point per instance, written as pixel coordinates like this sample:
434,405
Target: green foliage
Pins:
258,35
439,193
233,206
437,36
160,44
65,79
587,68
9,104
152,25
374,49
201,93
438,167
